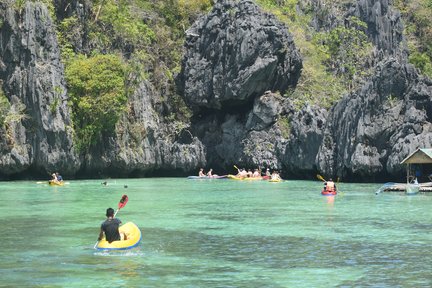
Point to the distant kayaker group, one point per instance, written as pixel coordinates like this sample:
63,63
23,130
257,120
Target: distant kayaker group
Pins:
243,174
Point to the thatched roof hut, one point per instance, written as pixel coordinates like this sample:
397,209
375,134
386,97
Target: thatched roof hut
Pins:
420,157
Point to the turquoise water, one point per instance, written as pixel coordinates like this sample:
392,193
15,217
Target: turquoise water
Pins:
216,233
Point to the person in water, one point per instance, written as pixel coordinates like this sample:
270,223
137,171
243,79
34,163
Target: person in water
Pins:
110,227
330,186
201,173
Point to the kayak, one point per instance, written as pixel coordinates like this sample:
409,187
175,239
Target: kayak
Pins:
233,177
205,177
133,234
275,180
55,183
328,193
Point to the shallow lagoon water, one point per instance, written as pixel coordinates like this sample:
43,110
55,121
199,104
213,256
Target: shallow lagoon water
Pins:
216,233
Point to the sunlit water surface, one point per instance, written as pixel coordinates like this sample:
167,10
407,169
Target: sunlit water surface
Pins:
216,233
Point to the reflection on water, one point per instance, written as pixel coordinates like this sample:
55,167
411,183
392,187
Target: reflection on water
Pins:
216,233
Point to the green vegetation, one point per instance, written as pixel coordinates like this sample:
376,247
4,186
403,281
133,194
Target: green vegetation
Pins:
98,96
417,15
123,43
284,126
347,48
4,108
332,60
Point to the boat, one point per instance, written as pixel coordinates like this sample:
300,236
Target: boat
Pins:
206,177
133,234
233,177
275,180
55,183
325,192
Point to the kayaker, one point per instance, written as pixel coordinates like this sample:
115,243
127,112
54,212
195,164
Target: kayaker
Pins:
249,173
268,174
54,178
209,173
58,177
275,176
330,186
201,173
256,174
110,227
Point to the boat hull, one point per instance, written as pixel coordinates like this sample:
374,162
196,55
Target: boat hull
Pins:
133,238
205,177
55,183
328,193
412,189
233,177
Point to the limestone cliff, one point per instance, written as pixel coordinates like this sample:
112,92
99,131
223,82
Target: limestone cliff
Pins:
39,140
240,65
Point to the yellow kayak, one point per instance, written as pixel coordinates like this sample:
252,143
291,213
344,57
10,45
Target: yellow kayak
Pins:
55,183
233,177
133,234
275,180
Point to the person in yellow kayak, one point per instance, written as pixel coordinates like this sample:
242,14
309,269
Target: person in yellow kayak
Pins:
275,176
256,173
110,227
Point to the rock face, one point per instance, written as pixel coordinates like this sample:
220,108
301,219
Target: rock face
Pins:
371,131
384,24
32,75
235,54
238,62
143,143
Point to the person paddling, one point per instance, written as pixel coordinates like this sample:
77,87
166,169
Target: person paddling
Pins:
110,227
330,186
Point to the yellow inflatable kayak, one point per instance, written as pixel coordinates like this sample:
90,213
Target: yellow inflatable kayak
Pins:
133,234
233,177
55,183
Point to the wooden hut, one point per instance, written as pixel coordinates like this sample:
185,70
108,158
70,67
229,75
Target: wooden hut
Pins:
420,157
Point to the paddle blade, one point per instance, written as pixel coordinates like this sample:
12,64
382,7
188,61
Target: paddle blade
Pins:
321,178
123,201
236,167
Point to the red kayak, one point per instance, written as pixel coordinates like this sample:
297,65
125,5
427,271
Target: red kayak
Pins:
328,192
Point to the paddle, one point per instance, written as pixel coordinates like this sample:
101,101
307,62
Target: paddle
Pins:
121,204
321,178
